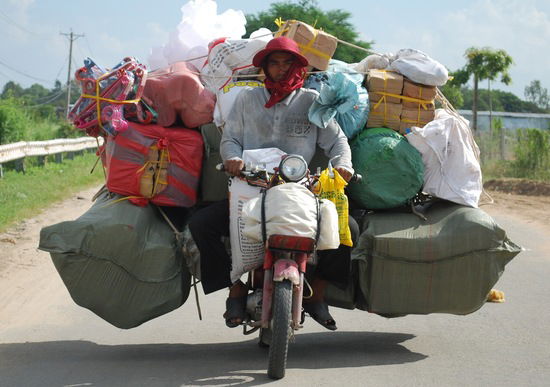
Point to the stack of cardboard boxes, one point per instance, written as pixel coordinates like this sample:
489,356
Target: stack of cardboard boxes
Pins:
398,103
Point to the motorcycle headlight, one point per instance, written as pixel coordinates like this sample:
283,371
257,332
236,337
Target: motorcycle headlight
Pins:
293,168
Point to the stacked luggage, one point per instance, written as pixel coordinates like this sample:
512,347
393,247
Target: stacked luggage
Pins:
127,263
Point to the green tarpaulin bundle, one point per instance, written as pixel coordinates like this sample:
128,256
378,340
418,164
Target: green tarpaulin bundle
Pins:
445,264
392,169
120,261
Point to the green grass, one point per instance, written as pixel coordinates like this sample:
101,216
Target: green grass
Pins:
25,195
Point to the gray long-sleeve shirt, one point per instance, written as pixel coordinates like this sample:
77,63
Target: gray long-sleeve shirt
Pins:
285,125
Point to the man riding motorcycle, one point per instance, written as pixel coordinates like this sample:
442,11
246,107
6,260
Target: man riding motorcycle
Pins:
274,116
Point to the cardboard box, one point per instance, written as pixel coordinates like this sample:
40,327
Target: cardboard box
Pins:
420,92
317,46
385,115
386,82
416,117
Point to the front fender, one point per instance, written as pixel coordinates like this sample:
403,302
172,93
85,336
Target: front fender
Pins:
286,269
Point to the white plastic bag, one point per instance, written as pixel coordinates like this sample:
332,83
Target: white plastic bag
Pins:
452,170
200,24
419,67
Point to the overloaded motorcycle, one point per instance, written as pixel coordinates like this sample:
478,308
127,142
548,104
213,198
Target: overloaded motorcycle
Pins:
274,303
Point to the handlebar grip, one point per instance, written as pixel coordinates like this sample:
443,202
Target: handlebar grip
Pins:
356,178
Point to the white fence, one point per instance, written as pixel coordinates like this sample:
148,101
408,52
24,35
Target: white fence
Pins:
22,149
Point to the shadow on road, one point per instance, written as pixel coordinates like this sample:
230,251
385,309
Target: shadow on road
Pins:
83,363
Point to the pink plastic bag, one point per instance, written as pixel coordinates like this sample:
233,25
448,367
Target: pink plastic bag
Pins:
177,91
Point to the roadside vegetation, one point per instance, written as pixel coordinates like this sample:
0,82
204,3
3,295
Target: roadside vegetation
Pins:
25,195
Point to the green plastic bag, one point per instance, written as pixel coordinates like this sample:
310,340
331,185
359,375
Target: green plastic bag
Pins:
120,261
392,169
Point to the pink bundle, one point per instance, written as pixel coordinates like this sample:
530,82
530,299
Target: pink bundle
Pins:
107,95
176,93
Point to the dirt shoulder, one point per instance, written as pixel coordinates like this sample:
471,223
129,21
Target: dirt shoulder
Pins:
523,199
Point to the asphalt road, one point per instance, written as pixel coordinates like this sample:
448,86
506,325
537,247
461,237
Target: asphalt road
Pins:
47,340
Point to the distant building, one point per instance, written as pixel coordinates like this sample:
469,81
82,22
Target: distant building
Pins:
510,121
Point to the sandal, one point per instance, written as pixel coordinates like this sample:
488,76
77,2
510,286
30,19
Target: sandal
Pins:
235,308
319,312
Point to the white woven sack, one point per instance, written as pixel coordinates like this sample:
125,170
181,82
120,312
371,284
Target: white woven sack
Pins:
452,171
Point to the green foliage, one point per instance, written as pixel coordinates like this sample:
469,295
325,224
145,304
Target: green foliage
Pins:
25,195
335,22
486,63
67,130
14,122
538,95
532,154
453,94
502,101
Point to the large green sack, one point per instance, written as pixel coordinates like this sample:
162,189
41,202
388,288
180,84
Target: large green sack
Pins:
120,261
447,264
392,169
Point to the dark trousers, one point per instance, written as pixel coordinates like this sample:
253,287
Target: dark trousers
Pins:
207,227
209,224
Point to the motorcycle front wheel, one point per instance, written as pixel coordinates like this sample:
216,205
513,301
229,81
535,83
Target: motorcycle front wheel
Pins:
281,330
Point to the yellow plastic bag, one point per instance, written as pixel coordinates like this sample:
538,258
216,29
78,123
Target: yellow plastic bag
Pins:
333,190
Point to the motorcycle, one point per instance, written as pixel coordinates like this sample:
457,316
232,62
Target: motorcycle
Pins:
276,290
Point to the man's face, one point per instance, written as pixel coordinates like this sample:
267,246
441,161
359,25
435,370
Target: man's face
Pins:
278,64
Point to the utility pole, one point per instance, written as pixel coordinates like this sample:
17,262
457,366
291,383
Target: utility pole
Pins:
72,37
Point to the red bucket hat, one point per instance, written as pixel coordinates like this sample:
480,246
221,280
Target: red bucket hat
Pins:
282,43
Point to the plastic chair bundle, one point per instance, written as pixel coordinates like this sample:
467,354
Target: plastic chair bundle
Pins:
109,97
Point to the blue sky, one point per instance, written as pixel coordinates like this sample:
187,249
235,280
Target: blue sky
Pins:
32,43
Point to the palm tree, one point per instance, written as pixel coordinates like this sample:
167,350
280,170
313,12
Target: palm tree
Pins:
486,63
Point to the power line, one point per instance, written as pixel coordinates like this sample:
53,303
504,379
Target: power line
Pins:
24,74
14,23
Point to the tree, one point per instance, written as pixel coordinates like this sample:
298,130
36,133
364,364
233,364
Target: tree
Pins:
485,63
12,90
335,22
537,94
502,101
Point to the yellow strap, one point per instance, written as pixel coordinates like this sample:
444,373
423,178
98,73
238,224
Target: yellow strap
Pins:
423,102
304,48
407,121
98,99
110,100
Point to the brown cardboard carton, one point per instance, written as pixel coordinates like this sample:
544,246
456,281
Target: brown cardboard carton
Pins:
421,92
385,82
317,46
385,115
416,117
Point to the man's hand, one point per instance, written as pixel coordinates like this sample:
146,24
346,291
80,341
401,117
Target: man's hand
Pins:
346,175
233,167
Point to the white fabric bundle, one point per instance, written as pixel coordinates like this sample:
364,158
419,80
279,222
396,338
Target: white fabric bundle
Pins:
232,57
452,171
419,67
291,209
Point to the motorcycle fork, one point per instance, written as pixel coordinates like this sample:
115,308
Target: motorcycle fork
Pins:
300,258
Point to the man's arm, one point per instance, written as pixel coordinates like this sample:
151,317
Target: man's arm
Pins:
231,148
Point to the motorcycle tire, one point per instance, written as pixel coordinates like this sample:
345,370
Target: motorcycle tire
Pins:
281,330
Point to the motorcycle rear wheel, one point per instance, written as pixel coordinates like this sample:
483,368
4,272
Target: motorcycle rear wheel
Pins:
281,330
